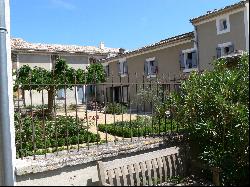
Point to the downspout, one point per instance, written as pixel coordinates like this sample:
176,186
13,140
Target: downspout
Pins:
7,177
197,48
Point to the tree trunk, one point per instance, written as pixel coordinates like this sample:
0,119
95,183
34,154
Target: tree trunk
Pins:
51,93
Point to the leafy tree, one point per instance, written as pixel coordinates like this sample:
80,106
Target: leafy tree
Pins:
96,73
61,77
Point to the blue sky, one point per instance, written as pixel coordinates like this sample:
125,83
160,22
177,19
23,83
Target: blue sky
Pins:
129,24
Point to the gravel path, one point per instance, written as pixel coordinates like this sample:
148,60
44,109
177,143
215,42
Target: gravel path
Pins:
101,120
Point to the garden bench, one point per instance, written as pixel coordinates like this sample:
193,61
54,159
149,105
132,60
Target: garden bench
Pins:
140,170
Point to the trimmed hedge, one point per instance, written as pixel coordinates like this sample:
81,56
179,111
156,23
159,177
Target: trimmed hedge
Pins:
137,128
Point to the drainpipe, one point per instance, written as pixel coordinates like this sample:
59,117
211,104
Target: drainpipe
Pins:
7,147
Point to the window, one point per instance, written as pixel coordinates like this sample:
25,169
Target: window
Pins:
188,60
224,49
122,67
61,94
151,67
223,25
106,69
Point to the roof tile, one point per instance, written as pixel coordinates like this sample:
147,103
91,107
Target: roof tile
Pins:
20,44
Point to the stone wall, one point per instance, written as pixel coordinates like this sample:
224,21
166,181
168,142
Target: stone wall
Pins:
80,168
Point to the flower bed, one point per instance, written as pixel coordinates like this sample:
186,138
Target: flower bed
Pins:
34,135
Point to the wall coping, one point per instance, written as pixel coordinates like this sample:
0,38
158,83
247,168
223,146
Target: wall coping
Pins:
55,161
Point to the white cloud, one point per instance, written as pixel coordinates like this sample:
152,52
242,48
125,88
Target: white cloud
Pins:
64,4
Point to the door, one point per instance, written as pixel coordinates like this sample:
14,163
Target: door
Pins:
117,94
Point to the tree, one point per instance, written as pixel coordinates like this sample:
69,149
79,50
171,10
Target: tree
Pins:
61,77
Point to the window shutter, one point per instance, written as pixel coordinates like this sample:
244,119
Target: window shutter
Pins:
194,59
107,70
181,60
146,68
231,48
218,52
125,66
60,93
118,68
63,93
155,67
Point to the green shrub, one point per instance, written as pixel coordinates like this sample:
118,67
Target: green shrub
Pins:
214,107
55,133
72,106
116,108
140,127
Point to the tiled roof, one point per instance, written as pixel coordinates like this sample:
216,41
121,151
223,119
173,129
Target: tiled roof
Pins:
20,44
182,37
216,12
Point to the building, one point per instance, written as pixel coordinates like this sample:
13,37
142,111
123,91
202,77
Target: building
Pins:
44,55
221,32
142,65
216,34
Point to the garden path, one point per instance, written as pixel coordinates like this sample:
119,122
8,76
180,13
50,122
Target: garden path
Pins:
101,120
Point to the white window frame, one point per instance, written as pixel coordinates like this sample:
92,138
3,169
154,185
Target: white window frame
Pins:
148,60
218,20
121,72
223,45
185,52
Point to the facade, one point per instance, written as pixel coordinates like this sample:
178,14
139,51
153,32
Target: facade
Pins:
161,60
216,34
221,32
44,55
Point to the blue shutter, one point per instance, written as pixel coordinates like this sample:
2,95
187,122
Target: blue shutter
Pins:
181,61
231,48
218,52
125,67
194,59
61,94
155,64
146,68
118,68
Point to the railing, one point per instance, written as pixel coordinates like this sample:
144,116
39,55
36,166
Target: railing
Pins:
93,115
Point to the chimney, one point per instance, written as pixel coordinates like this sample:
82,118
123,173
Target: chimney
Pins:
101,46
121,51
